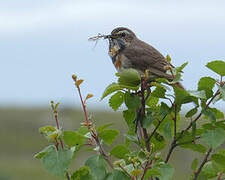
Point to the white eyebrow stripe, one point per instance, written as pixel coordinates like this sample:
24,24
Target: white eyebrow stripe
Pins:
124,31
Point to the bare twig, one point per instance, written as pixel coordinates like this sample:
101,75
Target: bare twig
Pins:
202,164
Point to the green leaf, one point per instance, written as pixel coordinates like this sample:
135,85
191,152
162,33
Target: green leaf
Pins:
213,138
219,114
129,78
166,172
116,100
198,94
120,175
183,97
110,89
159,92
148,119
206,84
192,112
217,66
209,170
57,162
222,91
179,69
119,151
219,159
152,101
194,164
195,147
108,135
151,173
158,141
105,126
129,117
97,166
83,130
82,174
73,138
167,129
50,132
210,114
132,101
45,151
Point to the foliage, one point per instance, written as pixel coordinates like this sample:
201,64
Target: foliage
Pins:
152,114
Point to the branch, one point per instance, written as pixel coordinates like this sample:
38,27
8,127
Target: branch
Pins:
173,144
157,126
202,164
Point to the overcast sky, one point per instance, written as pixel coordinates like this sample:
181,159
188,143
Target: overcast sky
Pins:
43,42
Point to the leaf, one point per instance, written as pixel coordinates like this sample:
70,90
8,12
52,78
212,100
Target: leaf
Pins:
217,66
179,69
119,151
79,82
222,91
195,147
194,164
82,174
120,175
129,117
148,119
129,78
183,97
97,166
209,170
152,101
198,94
192,112
108,135
42,153
159,92
219,159
73,138
151,173
89,96
206,84
210,114
105,126
213,138
158,141
132,101
57,162
166,172
116,100
110,89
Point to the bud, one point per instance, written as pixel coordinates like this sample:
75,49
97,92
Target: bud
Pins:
74,77
89,96
78,82
168,58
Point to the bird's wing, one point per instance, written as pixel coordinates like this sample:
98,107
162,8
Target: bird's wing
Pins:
143,56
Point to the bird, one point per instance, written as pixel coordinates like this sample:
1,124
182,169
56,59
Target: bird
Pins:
127,51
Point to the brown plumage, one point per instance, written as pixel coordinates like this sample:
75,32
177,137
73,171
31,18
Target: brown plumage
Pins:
127,51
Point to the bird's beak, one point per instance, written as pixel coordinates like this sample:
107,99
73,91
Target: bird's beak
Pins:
111,36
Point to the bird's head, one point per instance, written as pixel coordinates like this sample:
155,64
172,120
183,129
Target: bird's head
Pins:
121,37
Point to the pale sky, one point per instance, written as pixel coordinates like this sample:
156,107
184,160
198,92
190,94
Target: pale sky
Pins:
43,42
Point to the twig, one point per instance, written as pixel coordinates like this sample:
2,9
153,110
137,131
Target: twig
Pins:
202,164
157,126
143,114
94,135
124,170
173,144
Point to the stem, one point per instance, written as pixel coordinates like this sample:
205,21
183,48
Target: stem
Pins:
157,126
124,170
202,164
220,176
84,108
143,114
173,144
94,135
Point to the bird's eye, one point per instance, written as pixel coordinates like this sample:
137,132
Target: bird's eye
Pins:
123,34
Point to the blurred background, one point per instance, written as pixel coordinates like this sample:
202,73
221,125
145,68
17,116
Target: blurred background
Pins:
42,43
